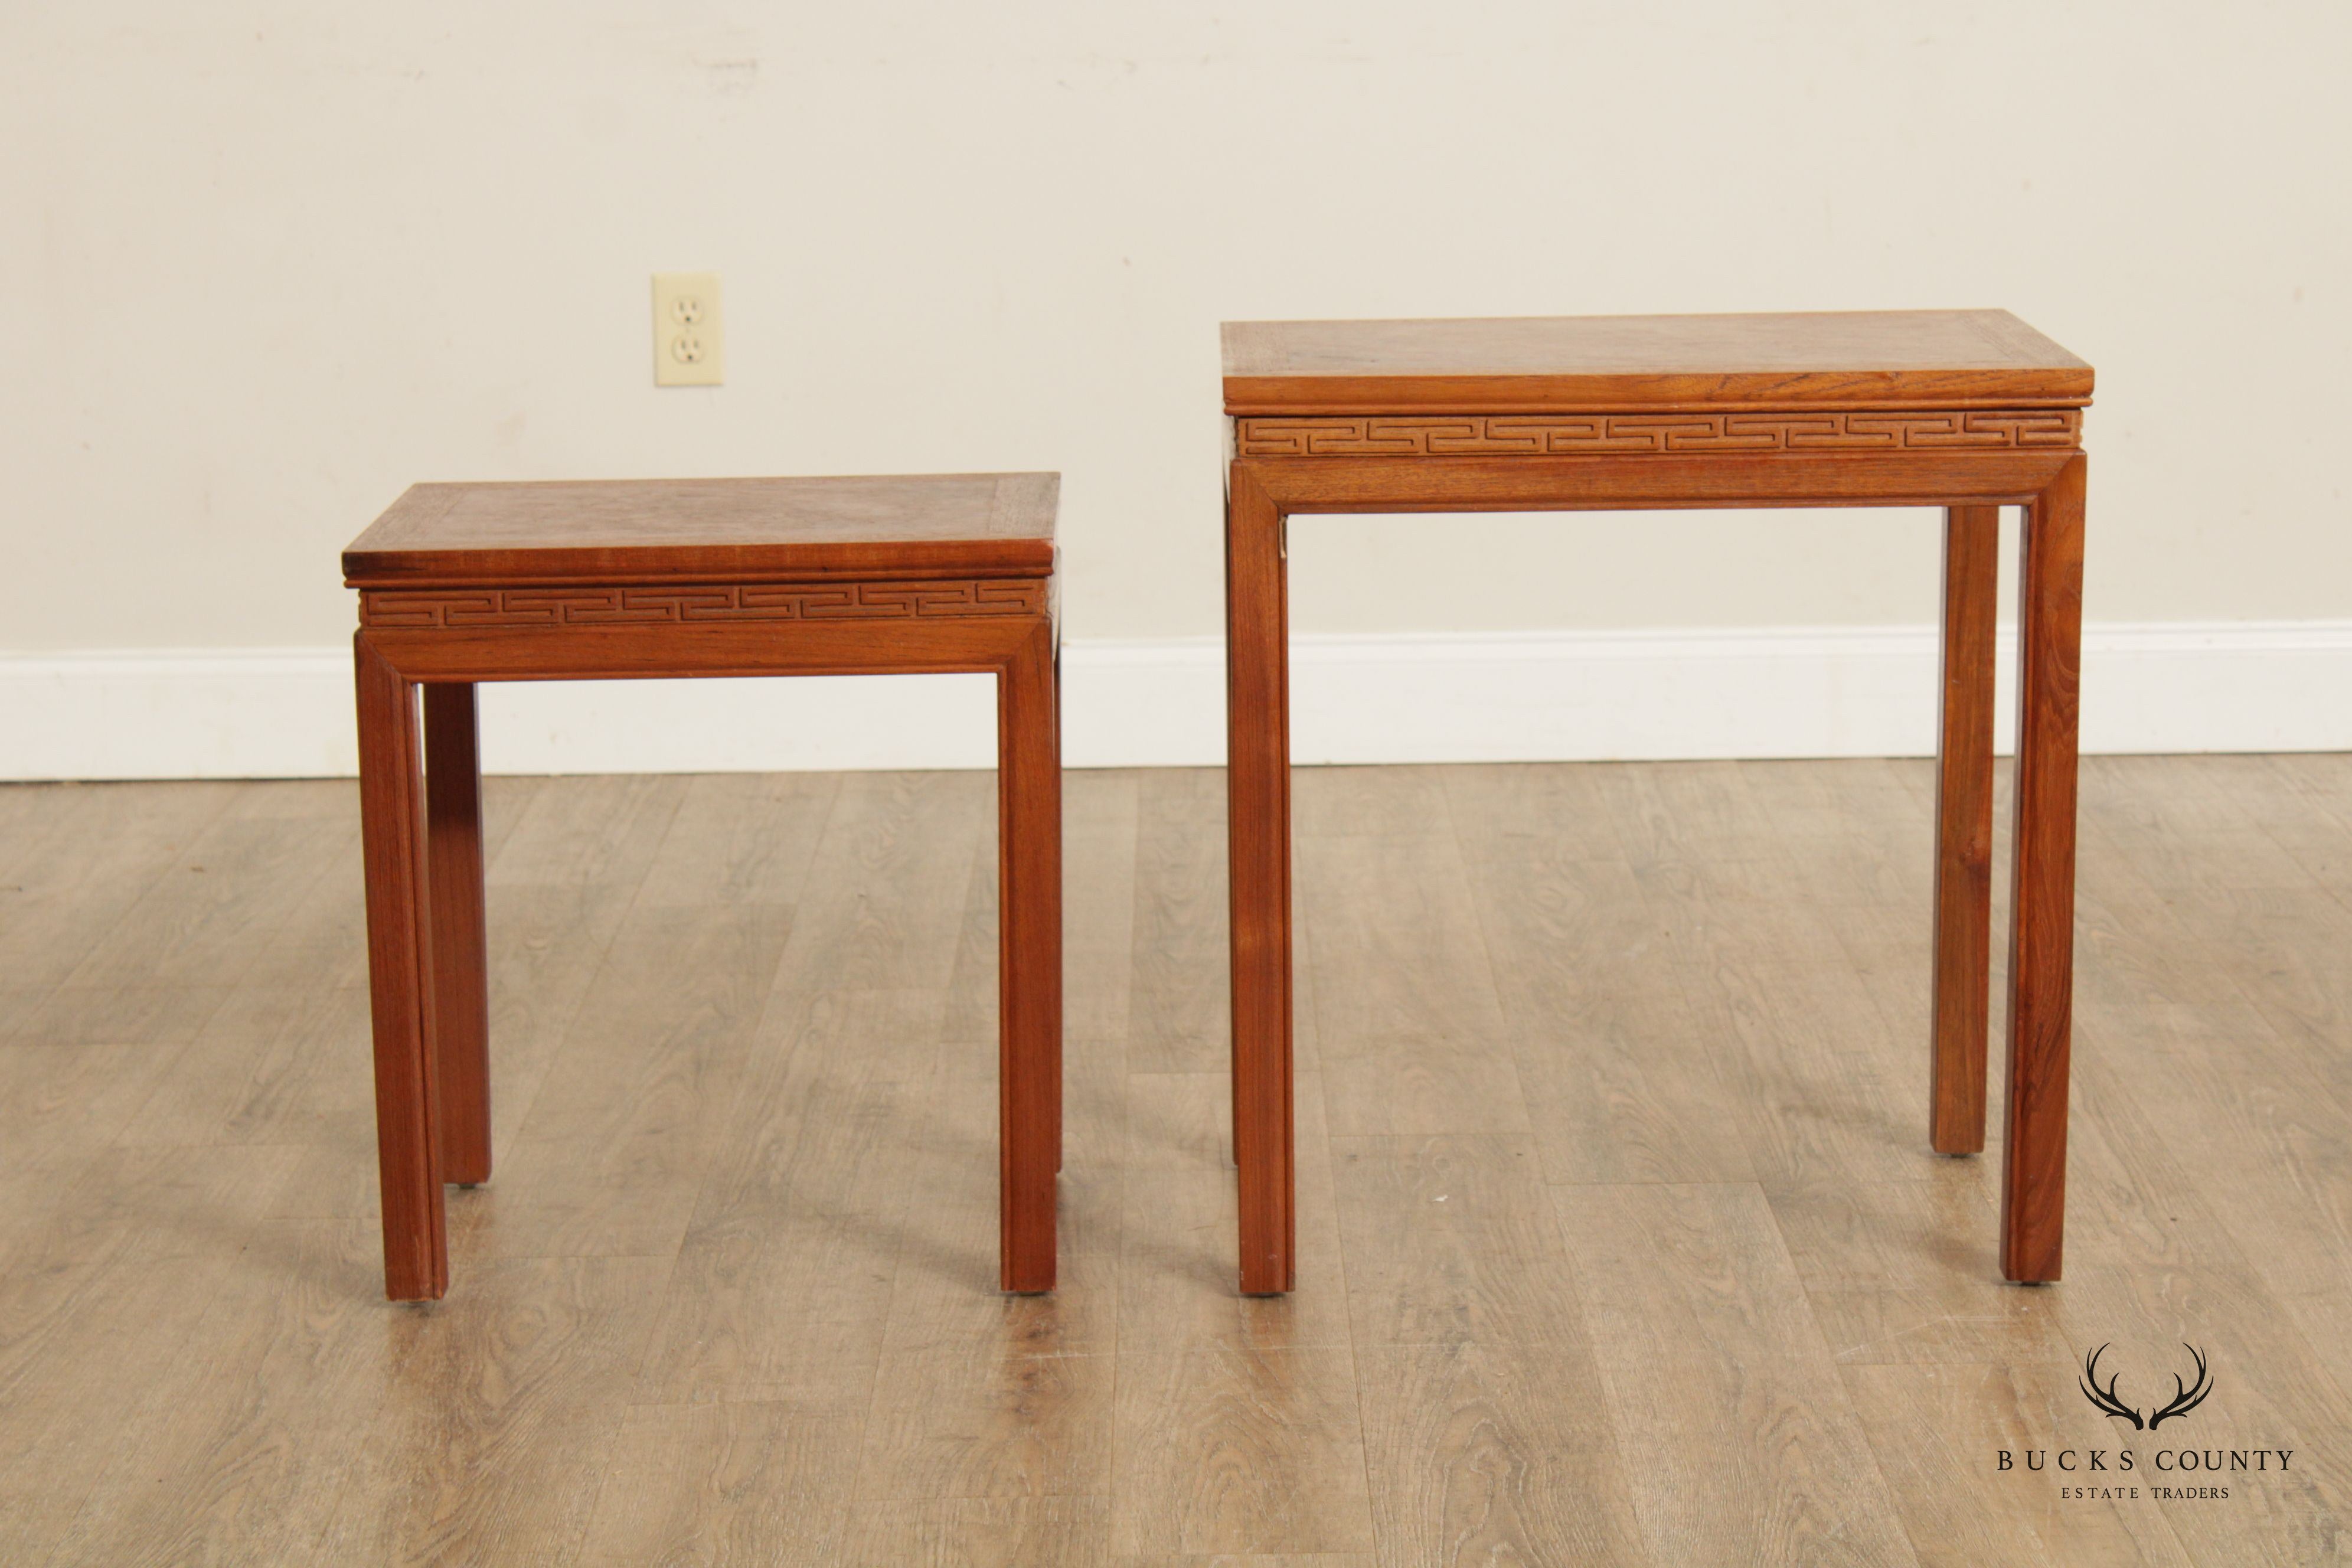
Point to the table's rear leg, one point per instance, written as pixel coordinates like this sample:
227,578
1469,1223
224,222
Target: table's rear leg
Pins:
1029,962
1257,750
1964,832
391,830
461,1001
2041,943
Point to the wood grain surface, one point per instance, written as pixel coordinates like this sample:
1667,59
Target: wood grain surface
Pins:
1732,1310
1963,410
982,525
2042,876
1868,358
1956,1112
668,579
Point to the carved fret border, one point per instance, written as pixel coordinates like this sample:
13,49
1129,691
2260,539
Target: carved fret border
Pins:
462,609
1539,434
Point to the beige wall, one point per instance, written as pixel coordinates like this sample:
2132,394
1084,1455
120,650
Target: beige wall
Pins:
263,265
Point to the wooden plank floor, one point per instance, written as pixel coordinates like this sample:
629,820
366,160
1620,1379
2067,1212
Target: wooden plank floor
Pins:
1620,1238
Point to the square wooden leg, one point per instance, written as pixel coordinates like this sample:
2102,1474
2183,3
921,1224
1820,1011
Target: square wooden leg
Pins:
461,997
407,1103
2042,941
1964,832
1257,772
1029,962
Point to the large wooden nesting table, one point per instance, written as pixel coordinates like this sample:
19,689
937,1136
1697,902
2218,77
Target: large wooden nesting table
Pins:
1965,410
467,582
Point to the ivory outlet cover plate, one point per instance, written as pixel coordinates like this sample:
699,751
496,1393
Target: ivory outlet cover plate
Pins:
689,347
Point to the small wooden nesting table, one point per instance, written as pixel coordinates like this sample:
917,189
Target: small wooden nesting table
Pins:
1966,410
467,582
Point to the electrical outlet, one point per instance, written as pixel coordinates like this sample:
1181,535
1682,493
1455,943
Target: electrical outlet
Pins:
689,348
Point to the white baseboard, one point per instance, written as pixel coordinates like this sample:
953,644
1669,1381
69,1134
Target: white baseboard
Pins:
1420,698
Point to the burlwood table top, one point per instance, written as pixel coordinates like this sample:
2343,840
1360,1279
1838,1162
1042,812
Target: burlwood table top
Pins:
710,530
1832,360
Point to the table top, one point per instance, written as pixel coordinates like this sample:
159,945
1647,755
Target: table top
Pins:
1860,359
644,530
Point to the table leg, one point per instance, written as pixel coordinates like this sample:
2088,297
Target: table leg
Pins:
1257,772
1029,962
1058,1151
461,992
1964,832
393,837
2042,940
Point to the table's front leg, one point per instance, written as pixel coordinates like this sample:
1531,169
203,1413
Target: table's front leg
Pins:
461,997
400,978
1029,962
2041,943
1963,961
1257,722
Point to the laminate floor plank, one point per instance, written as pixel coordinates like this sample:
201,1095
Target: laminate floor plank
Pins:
2313,803
155,1016
268,1067
979,1417
27,810
980,1533
1481,1454
741,838
952,1162
80,1347
497,1414
971,989
2151,1269
1619,1081
802,1201
132,1205
1394,943
1364,801
83,856
885,899
1737,1440
1452,1239
100,1302
545,945
1180,1006
1099,812
610,1161
2257,942
60,1112
2180,832
225,896
583,831
1414,1088
1569,813
1829,1094
1101,826
1619,1236
1229,1447
740,1482
242,1455
323,938
1937,1432
1907,1272
1854,834
561,874
1177,1275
